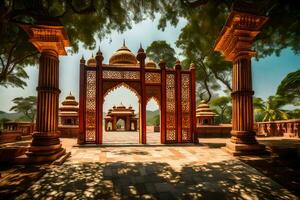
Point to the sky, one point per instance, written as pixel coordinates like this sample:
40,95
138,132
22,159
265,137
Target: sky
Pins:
267,73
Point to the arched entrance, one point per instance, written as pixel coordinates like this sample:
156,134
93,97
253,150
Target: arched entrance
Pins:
121,108
153,121
173,88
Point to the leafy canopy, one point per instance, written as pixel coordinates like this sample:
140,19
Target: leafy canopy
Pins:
290,87
26,105
161,50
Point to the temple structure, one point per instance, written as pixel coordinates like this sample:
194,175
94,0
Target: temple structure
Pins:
50,39
172,87
205,115
121,113
235,42
68,112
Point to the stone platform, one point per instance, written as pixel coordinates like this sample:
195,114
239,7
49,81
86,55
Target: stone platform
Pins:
201,171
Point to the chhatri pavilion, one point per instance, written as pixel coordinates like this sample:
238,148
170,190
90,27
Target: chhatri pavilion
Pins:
204,114
68,112
121,113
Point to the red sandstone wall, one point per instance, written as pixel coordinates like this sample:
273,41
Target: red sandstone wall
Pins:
212,131
68,131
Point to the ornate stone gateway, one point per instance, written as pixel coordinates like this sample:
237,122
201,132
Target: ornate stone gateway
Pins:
174,90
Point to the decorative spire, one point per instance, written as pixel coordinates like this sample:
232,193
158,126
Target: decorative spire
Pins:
162,64
82,60
124,45
99,51
192,66
70,93
177,65
92,55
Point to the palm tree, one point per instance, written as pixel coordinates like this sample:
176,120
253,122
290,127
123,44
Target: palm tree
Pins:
26,105
271,109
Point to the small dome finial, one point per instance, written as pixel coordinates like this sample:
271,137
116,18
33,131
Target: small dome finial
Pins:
70,93
124,43
92,55
82,58
99,50
141,45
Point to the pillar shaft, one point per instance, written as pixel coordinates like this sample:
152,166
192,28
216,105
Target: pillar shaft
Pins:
242,103
48,100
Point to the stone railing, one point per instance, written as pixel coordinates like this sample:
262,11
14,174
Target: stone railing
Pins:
287,128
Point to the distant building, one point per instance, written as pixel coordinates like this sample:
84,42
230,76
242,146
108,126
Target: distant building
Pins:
205,115
121,113
68,112
68,117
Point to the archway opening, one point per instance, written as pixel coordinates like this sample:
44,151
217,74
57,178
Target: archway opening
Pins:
121,115
153,122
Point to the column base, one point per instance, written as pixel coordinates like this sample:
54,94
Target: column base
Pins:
36,158
245,149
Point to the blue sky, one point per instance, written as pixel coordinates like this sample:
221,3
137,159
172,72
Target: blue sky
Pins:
267,72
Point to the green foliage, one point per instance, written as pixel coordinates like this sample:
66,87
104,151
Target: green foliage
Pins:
223,107
294,114
271,109
197,39
161,50
153,118
26,105
2,122
83,20
290,87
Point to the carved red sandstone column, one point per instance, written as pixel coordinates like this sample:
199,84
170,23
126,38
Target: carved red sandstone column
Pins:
82,93
235,43
162,65
141,56
178,101
50,41
99,98
193,103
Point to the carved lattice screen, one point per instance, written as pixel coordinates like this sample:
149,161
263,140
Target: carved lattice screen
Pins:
90,109
186,107
170,109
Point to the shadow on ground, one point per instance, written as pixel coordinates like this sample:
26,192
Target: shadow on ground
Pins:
222,180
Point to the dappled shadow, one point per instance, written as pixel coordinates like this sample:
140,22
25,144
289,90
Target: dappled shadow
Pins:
15,179
220,180
284,171
131,152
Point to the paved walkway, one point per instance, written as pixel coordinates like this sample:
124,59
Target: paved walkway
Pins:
154,172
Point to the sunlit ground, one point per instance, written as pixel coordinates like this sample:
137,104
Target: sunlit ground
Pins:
201,171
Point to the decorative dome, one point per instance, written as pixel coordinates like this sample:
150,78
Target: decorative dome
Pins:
92,61
150,64
123,56
70,101
204,110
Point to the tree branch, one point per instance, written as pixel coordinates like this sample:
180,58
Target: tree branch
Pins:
222,80
195,3
87,10
17,61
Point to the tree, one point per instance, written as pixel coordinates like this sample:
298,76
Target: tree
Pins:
271,109
290,87
197,39
83,20
2,122
221,104
161,50
26,105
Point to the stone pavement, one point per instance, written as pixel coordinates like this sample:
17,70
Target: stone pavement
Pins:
153,172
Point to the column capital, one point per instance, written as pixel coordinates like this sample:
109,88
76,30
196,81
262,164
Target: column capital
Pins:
47,37
236,37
